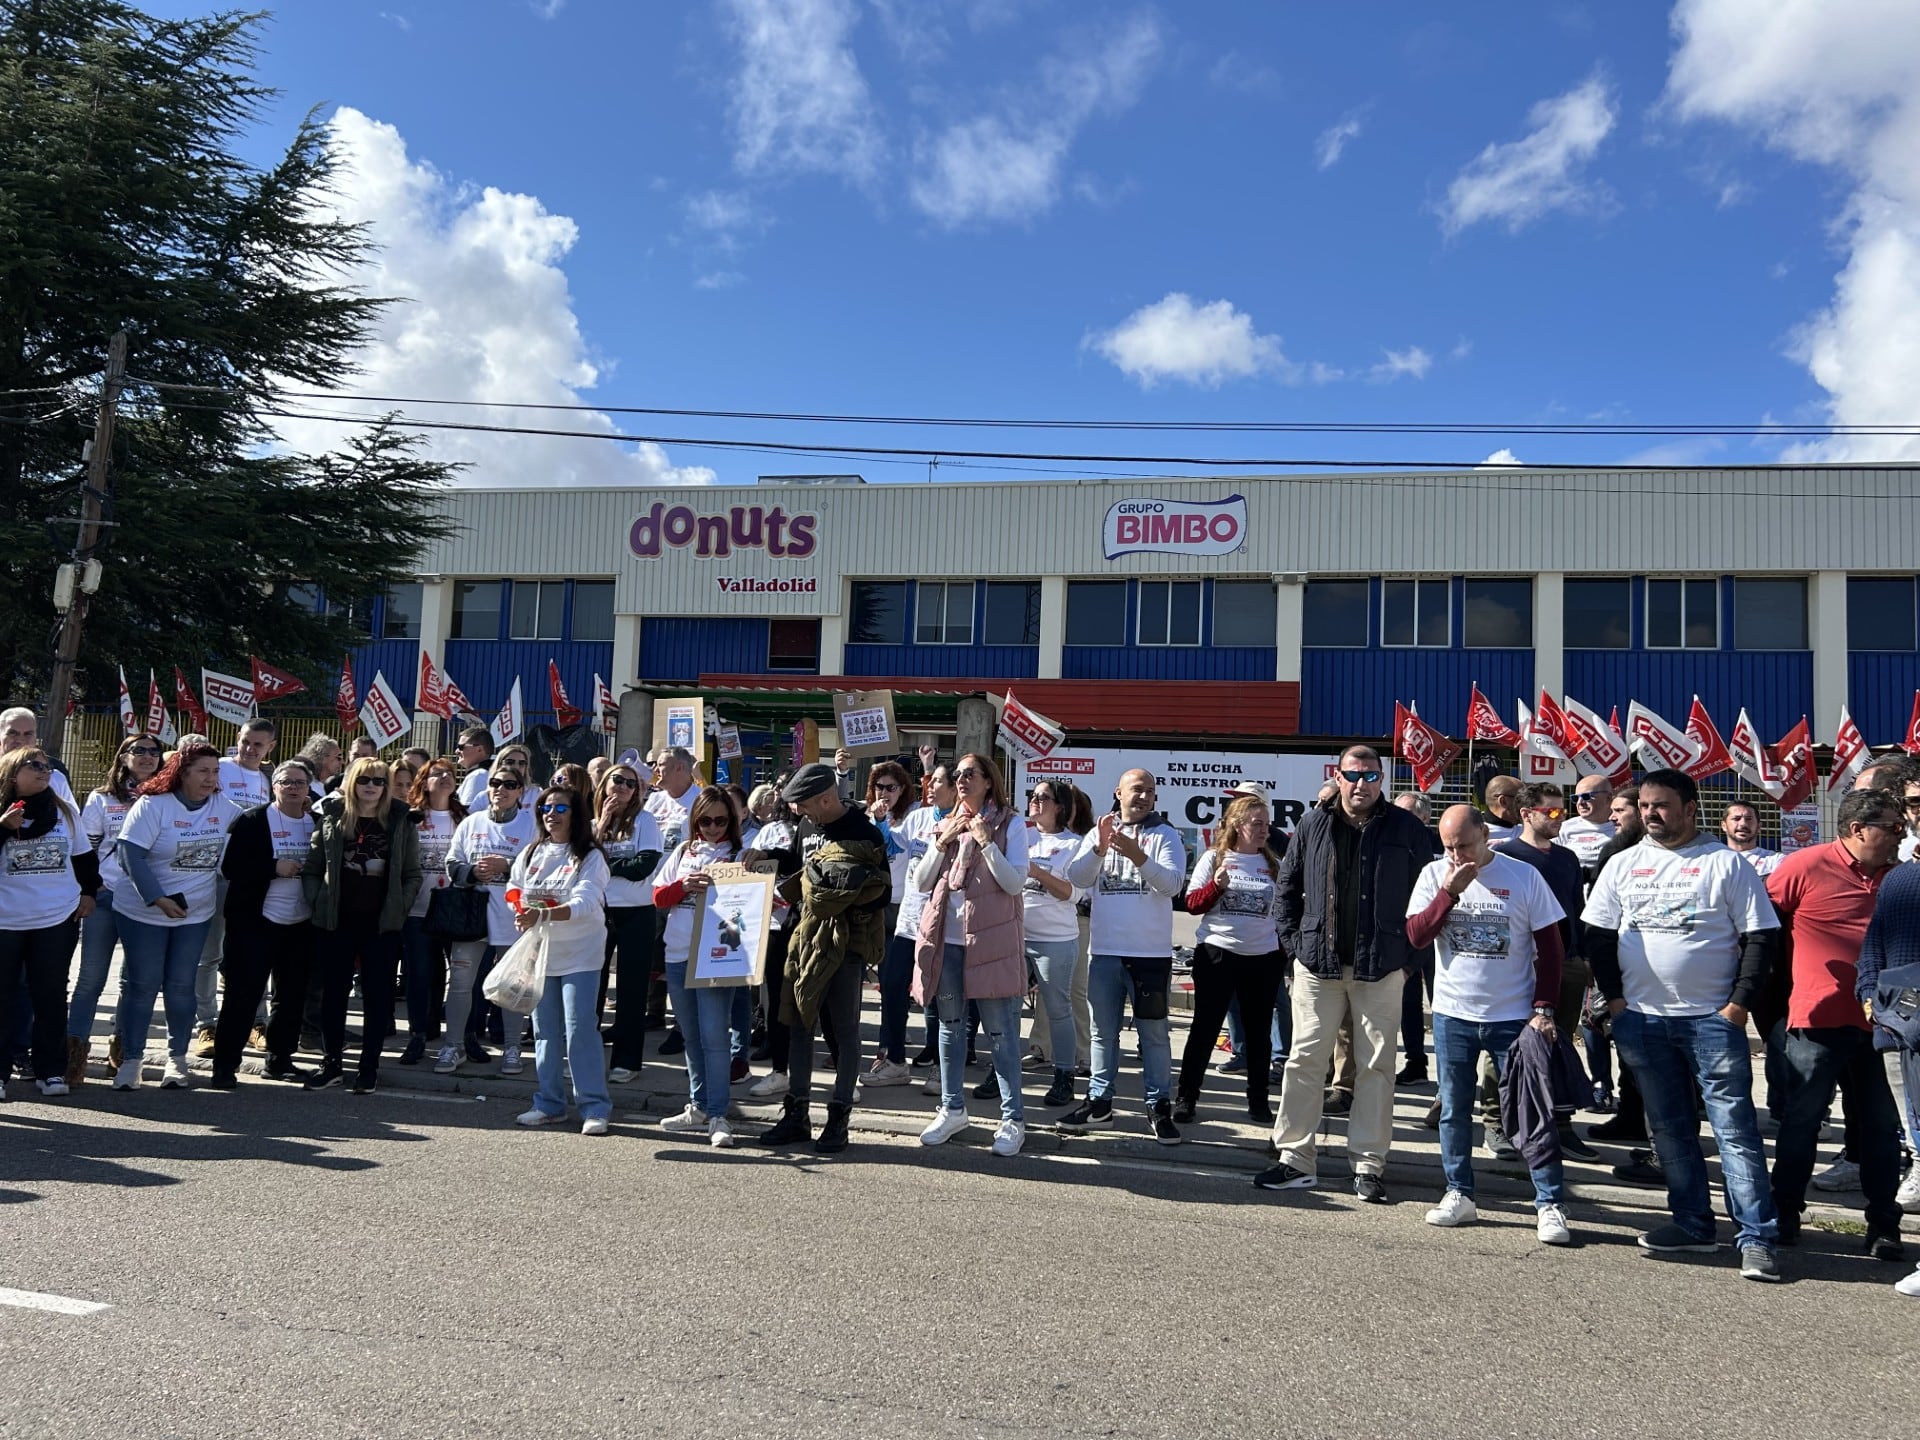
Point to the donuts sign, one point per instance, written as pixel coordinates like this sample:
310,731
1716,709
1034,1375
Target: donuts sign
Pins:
1176,527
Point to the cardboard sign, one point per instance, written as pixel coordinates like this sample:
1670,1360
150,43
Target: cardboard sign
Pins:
681,724
865,721
727,737
730,930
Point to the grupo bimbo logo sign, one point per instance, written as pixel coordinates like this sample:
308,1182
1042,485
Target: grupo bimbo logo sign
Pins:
1176,527
744,527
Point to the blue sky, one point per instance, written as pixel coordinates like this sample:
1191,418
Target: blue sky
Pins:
1038,209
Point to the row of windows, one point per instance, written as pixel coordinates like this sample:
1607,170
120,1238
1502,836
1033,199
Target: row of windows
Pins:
943,612
1168,613
537,610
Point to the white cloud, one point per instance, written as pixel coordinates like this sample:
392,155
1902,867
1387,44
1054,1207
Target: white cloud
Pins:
1831,82
1332,143
1518,181
547,9
1462,348
395,18
1502,456
1005,164
1174,339
718,280
1234,71
914,28
1412,362
483,313
800,102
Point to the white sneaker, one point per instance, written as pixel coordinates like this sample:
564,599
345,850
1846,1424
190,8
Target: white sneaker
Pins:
593,1125
175,1076
1841,1175
1552,1226
887,1072
719,1133
1907,1197
536,1117
1008,1139
692,1120
53,1087
510,1061
1453,1209
1908,1286
946,1124
127,1077
448,1060
621,1075
770,1086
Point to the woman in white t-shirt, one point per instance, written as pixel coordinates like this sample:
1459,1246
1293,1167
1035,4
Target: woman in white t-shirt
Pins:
170,850
48,877
134,763
562,880
630,839
1058,814
434,798
482,853
1237,954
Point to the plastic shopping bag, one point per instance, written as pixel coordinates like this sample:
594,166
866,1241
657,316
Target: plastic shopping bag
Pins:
518,977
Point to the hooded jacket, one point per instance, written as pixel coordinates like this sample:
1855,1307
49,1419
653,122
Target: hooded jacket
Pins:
326,857
1393,847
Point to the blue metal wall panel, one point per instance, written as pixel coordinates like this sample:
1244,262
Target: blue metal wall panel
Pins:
1014,662
485,670
1352,692
681,650
1167,662
398,660
1776,687
1880,686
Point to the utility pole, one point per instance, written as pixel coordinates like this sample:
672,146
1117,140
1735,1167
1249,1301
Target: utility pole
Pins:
93,499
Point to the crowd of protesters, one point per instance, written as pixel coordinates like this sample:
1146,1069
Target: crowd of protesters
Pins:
250,901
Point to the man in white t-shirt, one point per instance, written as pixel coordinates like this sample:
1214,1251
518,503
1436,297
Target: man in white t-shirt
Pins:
1680,933
246,783
673,793
474,751
1495,929
1740,828
1588,830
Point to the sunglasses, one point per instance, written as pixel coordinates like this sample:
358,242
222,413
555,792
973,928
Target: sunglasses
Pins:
42,766
1586,799
706,820
373,780
1361,777
885,787
1552,812
560,809
967,774
146,750
1912,802
621,782
501,782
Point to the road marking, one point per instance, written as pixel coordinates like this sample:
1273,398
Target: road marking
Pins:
57,1304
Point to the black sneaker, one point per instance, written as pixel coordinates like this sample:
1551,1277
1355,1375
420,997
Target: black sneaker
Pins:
285,1069
364,1084
987,1088
1617,1129
1183,1111
928,1056
1672,1240
1061,1091
416,1049
331,1075
1411,1075
224,1080
1260,1112
1886,1247
1642,1167
674,1044
476,1052
1086,1113
1572,1144
1162,1124
1757,1262
1284,1177
1338,1102
1370,1189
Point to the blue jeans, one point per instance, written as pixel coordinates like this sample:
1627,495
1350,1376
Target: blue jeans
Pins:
1053,962
566,1028
157,960
1668,1054
702,1013
1457,1047
1000,1019
1110,987
99,933
896,996
1910,1084
422,954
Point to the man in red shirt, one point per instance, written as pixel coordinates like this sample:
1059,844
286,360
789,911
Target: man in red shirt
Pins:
1825,896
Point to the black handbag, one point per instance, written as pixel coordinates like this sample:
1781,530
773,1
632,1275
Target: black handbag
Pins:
457,913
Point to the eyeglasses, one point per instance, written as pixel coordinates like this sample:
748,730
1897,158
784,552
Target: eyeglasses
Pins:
42,766
621,782
556,809
1912,802
146,750
1587,799
967,774
1552,812
503,782
1361,777
1034,797
706,820
373,780
1890,827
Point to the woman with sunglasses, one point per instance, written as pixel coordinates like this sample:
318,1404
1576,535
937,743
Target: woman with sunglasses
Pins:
629,837
434,800
972,945
892,801
702,1012
169,852
1058,815
773,838
482,853
562,880
48,878
102,818
362,876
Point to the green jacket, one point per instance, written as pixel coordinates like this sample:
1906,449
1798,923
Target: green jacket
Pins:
321,877
839,924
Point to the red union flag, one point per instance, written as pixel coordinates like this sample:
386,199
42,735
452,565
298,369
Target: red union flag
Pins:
1912,743
187,703
565,713
1551,721
1421,746
1756,762
606,710
270,682
386,720
1793,762
1850,754
438,694
1658,743
1711,755
346,699
1602,751
1485,725
229,697
128,722
156,707
1027,732
507,724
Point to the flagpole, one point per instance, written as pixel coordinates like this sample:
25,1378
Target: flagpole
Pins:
1475,691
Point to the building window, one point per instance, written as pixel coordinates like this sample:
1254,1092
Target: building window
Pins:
401,620
879,613
943,613
1770,614
537,608
593,610
1169,612
1096,612
476,610
793,644
1416,612
1597,614
1243,612
1880,612
1683,615
1496,614
1334,614
1013,613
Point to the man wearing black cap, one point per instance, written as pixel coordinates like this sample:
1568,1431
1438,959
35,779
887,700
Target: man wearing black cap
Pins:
838,875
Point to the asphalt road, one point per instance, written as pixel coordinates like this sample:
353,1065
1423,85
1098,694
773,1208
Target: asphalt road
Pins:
412,1264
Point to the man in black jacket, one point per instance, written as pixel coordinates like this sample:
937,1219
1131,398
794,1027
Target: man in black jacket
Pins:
1343,889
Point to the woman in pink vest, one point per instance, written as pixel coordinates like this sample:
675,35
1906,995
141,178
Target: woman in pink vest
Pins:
972,945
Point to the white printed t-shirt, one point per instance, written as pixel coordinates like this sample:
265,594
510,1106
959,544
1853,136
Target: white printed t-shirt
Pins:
38,888
291,838
436,838
481,835
245,788
183,849
1242,920
1047,917
102,820
1586,839
1484,954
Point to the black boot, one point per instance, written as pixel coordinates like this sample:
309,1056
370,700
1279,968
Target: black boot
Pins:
793,1127
1061,1091
833,1134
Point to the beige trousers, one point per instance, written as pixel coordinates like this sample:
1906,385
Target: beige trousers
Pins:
1319,1007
